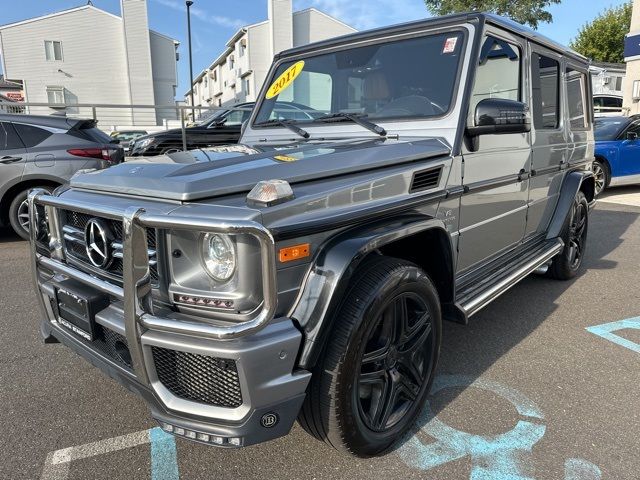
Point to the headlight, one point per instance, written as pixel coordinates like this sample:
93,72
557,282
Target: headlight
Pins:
219,255
144,143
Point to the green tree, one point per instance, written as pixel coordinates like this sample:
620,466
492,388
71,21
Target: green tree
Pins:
602,40
527,12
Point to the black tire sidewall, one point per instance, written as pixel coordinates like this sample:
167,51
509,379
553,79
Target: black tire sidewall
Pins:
13,212
560,268
358,436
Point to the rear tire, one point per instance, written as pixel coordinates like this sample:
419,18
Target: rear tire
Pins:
19,213
377,368
574,235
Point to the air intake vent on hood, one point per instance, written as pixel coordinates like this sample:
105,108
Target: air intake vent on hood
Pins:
425,179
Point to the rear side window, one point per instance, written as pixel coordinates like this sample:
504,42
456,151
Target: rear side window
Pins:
546,88
30,135
577,99
87,131
8,137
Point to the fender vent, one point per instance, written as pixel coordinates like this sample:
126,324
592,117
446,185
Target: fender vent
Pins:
425,179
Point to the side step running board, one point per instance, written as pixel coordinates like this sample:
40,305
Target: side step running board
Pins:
480,294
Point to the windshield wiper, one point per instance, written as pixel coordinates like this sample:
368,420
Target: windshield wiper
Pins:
359,118
286,124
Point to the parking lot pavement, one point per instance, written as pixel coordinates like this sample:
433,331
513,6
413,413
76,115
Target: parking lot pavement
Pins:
629,195
544,383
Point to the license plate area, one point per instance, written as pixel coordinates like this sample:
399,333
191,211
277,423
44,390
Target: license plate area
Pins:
77,306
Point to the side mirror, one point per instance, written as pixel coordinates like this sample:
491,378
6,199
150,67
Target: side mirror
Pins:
632,136
499,115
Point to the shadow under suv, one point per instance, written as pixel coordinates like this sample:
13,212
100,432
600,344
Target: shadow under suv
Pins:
45,151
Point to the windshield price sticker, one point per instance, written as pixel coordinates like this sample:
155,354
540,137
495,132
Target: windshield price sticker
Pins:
450,45
284,80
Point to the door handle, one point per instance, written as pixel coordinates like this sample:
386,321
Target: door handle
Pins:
9,159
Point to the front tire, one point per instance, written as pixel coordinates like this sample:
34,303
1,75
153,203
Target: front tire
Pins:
379,363
19,213
574,234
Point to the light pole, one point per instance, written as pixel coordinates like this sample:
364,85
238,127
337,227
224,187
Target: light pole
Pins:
193,111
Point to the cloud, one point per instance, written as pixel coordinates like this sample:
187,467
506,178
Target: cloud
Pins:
218,20
369,14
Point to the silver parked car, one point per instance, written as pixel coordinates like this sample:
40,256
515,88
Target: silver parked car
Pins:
45,152
305,272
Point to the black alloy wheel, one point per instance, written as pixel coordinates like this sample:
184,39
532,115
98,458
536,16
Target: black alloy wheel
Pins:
574,235
397,360
374,373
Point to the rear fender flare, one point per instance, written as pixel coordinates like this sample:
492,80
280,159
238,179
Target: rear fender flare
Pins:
573,183
332,270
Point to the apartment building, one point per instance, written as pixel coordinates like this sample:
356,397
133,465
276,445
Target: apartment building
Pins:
238,73
86,55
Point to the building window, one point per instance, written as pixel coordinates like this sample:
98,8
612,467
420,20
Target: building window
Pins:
231,62
246,86
215,75
242,47
53,50
55,95
206,81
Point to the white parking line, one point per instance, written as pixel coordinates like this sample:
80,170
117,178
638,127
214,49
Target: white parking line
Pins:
56,466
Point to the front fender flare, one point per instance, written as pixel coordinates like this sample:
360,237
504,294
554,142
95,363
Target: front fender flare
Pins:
330,274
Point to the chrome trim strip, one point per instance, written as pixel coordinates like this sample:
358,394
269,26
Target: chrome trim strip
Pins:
80,276
136,286
481,301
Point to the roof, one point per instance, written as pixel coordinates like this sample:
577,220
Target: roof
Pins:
52,121
455,19
71,10
7,84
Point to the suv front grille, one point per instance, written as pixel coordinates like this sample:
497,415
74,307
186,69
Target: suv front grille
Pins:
74,224
199,378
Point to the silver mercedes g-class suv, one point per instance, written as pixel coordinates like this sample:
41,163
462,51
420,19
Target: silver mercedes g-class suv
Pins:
305,272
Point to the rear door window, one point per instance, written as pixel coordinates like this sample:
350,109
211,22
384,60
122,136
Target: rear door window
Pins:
577,99
31,136
9,139
546,92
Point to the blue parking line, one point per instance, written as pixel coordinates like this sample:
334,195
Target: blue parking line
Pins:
606,331
164,458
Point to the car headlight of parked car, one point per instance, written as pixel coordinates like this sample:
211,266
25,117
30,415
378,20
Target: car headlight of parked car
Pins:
215,274
219,255
143,143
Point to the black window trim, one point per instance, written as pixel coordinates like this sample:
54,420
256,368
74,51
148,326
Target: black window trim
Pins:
537,49
588,104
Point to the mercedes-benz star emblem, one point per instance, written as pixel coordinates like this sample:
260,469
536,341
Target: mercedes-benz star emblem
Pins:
97,241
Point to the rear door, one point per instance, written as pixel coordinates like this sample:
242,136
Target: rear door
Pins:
548,138
577,88
13,157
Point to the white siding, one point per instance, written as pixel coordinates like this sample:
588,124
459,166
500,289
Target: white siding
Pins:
165,77
313,26
137,43
89,75
260,56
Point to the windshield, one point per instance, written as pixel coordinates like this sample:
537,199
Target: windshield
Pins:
407,78
609,128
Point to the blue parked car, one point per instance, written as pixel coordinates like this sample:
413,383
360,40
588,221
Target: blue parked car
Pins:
617,151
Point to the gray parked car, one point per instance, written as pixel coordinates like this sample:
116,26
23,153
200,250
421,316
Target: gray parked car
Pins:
45,152
305,272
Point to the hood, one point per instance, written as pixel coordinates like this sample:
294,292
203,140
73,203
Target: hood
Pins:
232,169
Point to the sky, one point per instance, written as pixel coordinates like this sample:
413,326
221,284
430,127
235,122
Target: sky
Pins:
214,21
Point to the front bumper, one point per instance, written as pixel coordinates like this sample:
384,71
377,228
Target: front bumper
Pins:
265,388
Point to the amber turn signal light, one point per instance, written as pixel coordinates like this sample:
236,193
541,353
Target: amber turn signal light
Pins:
295,252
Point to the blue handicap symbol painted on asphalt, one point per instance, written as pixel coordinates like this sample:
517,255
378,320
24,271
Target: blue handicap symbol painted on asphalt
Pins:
164,457
506,456
606,331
